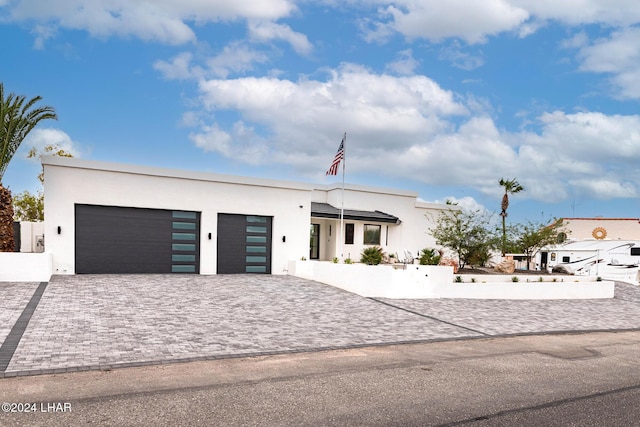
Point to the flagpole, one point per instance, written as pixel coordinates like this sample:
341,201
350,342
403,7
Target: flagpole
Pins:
344,161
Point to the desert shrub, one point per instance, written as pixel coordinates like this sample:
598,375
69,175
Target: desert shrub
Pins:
371,255
429,256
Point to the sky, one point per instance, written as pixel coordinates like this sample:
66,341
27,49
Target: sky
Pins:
440,98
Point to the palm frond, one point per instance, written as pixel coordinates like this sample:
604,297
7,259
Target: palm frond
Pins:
18,118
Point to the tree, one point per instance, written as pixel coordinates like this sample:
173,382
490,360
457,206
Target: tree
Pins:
18,117
535,236
30,207
465,233
510,187
48,150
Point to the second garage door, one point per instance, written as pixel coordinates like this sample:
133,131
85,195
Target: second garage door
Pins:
244,244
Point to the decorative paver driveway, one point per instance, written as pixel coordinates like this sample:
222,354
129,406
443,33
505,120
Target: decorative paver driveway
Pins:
100,321
13,298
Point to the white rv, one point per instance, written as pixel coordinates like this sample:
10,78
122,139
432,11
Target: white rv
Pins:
609,259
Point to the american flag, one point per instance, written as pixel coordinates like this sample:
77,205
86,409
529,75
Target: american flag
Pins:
333,169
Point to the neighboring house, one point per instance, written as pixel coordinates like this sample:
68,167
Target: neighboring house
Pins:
579,229
586,238
115,218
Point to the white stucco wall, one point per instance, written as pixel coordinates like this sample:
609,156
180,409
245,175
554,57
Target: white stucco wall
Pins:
428,281
74,181
30,232
615,228
412,234
25,267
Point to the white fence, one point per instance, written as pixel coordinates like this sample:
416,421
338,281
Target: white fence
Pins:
425,281
25,267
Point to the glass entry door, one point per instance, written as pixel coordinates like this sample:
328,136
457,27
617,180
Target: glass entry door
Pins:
314,250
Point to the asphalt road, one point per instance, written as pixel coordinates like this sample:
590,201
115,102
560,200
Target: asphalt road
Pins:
555,380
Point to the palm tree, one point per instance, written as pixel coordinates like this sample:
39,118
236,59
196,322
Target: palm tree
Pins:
19,117
510,187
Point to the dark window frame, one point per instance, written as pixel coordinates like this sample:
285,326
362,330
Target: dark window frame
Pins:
366,234
349,233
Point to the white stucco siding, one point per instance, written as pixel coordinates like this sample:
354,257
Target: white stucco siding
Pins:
71,181
614,228
412,234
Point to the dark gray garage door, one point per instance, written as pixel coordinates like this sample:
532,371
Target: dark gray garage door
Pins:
244,244
112,239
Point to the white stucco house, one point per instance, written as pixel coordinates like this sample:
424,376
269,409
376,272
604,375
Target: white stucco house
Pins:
116,218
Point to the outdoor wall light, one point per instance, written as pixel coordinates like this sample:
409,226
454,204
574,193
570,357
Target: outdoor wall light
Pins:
59,230
209,236
284,239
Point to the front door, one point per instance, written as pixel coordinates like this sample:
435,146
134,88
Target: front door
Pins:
314,250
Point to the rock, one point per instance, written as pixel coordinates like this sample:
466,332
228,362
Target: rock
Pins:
507,266
451,262
561,269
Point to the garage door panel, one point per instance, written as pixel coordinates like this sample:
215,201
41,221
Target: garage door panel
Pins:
244,244
111,239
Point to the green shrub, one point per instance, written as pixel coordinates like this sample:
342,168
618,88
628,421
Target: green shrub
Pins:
335,260
429,256
458,279
348,261
515,279
371,255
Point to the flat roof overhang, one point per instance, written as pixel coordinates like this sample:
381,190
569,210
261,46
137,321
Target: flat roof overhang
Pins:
325,210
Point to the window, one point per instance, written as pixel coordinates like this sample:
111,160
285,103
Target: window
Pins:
371,234
314,245
566,259
348,234
635,251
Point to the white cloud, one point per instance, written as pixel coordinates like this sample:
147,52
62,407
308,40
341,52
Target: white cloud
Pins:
578,41
461,59
405,65
305,117
235,58
409,127
436,20
179,68
165,21
577,12
606,188
39,138
584,151
42,33
242,143
475,20
617,56
467,203
212,138
267,31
